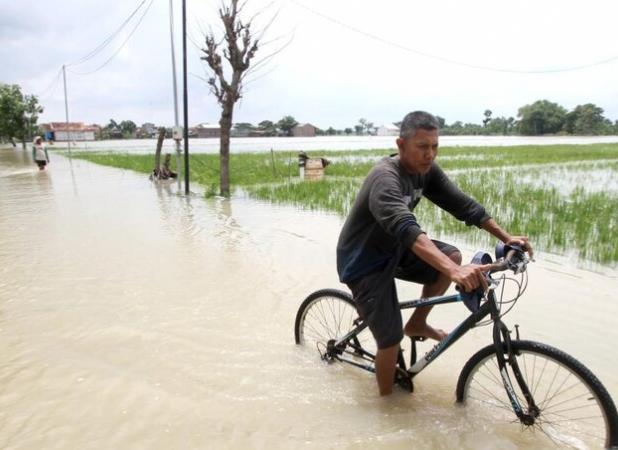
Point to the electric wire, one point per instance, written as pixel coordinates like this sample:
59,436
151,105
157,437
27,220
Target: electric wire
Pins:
121,45
51,87
448,60
54,83
109,39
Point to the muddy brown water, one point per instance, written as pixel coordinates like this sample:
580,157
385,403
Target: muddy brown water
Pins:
132,317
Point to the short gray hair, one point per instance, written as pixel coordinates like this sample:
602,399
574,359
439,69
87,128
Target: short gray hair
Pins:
415,120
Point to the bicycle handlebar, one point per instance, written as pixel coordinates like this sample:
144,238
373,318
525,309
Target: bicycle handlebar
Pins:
515,260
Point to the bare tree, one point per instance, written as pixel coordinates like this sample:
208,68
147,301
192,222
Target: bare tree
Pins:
239,49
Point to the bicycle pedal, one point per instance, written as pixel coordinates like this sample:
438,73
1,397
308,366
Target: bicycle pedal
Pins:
404,381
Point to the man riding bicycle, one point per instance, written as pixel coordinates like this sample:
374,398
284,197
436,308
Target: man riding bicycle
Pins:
381,240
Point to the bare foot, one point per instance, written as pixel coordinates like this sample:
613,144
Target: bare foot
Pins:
424,330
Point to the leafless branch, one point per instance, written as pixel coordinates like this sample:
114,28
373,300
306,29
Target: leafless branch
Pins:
266,27
269,57
248,82
260,12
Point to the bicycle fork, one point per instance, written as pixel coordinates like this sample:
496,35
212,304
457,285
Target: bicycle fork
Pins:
502,343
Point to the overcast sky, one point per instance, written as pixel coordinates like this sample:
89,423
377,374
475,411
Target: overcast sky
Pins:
329,74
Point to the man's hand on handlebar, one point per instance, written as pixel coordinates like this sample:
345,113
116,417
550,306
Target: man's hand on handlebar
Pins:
470,276
523,242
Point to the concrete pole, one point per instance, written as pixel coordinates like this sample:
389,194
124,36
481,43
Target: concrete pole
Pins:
176,122
66,109
185,96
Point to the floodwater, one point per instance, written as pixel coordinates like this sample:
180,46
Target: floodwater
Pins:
132,317
239,145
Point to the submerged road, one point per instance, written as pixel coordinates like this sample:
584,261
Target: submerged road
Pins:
133,317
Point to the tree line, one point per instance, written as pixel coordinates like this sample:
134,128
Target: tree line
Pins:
537,119
19,115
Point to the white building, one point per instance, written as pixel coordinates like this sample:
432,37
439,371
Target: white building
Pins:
207,130
388,130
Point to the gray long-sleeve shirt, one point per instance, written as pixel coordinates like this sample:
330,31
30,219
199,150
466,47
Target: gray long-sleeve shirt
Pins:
381,222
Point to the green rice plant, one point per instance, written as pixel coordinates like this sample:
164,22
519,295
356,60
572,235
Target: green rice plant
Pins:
325,195
581,222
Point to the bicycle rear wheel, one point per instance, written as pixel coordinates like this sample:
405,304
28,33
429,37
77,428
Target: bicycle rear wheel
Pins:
328,315
575,409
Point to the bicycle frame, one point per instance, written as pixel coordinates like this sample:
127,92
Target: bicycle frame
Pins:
501,340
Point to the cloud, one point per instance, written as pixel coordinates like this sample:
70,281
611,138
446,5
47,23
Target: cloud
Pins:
329,75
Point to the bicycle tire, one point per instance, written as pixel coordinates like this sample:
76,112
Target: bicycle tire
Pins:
586,415
329,314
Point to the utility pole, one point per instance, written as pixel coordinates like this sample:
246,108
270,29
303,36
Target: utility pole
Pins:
185,100
66,109
176,124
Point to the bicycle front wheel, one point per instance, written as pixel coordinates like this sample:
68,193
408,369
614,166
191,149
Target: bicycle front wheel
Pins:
328,315
574,408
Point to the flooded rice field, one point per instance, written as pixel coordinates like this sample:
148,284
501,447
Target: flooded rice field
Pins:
133,317
240,145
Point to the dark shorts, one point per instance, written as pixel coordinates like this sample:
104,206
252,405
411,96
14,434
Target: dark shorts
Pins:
376,299
41,163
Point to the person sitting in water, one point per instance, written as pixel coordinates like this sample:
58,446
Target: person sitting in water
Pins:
166,172
39,153
381,240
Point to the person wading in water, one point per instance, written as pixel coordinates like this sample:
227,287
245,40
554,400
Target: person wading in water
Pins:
39,153
381,240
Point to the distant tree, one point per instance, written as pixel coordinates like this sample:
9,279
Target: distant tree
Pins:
348,131
243,126
31,115
287,124
268,127
441,122
359,129
127,127
500,125
487,118
457,124
331,131
473,129
362,123
541,117
111,131
366,127
18,113
585,119
511,122
241,129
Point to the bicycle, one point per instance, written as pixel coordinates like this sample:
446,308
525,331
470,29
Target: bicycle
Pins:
545,388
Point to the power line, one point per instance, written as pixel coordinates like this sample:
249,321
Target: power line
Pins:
448,60
54,83
52,86
110,38
121,45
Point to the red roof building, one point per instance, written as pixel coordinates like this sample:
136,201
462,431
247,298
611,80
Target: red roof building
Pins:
76,131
